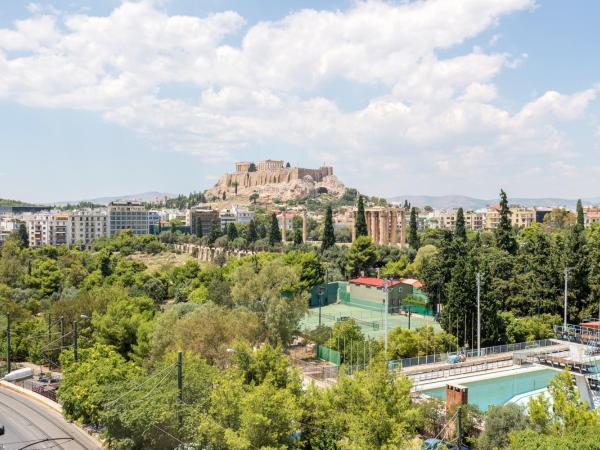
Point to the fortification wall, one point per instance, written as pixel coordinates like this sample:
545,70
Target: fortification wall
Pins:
276,176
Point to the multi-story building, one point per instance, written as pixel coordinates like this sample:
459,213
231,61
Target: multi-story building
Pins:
203,218
8,225
128,216
591,215
520,217
446,219
86,226
47,229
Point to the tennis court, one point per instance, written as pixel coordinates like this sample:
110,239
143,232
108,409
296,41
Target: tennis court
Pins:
370,322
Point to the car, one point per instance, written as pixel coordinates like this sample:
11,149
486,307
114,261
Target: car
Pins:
435,444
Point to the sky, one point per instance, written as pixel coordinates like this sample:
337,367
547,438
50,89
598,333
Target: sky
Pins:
402,97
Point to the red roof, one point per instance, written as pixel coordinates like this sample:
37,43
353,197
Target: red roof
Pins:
413,282
372,281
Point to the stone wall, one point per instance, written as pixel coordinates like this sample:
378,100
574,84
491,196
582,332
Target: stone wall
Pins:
277,176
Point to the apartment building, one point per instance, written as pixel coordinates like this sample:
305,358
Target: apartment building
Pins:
47,229
128,216
235,214
446,219
87,226
8,225
520,217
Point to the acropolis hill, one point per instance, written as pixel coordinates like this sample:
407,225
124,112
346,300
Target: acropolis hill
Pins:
271,179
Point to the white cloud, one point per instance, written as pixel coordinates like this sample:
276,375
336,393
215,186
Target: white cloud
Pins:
443,111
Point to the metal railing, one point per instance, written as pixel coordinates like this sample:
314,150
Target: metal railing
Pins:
443,357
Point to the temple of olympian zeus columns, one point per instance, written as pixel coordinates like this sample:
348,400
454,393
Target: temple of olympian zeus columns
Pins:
382,225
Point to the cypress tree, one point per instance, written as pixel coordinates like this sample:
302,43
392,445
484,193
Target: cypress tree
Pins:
198,228
251,232
505,239
297,236
232,232
413,237
460,231
215,231
328,234
361,221
274,232
580,216
23,236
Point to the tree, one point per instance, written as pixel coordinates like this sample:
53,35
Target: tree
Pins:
251,235
328,233
361,221
413,237
224,195
500,421
297,236
253,197
252,167
287,165
361,256
504,235
274,232
23,236
577,261
594,260
198,228
460,231
215,231
232,232
580,214
85,384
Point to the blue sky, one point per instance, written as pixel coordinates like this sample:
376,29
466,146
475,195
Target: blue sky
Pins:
442,97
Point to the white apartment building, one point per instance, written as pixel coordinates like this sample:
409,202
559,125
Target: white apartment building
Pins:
87,226
235,214
128,216
8,225
47,228
446,219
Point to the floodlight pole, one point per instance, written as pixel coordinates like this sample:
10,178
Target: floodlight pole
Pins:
567,270
385,314
478,313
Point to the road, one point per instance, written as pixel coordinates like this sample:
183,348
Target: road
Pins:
27,421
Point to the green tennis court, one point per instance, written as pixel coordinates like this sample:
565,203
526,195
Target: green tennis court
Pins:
371,322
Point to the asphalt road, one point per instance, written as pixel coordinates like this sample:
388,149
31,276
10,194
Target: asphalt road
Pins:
27,421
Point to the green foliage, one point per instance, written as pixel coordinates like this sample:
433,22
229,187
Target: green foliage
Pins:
500,421
460,230
361,221
405,343
413,235
85,384
328,233
361,256
504,233
274,232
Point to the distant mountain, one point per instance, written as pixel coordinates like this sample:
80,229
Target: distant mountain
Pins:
141,197
471,203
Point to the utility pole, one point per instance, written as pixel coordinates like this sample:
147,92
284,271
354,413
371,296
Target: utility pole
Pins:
75,340
62,332
458,427
179,387
478,313
320,292
567,270
385,314
8,355
409,312
49,328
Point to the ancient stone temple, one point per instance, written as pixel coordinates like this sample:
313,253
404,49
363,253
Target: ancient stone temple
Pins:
384,225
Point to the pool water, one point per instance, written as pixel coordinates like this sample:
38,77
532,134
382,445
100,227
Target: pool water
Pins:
498,391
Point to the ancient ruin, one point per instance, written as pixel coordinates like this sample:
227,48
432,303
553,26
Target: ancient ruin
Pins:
273,179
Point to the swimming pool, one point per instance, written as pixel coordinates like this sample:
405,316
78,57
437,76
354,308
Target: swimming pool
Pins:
498,391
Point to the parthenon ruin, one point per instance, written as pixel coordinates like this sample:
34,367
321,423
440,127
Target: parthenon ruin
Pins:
382,225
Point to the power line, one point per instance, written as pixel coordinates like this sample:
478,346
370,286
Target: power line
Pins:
140,385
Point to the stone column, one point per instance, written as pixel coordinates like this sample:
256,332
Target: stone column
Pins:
394,225
383,228
402,227
353,224
374,228
304,227
283,227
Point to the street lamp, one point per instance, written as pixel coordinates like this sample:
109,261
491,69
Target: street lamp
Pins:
478,313
566,272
